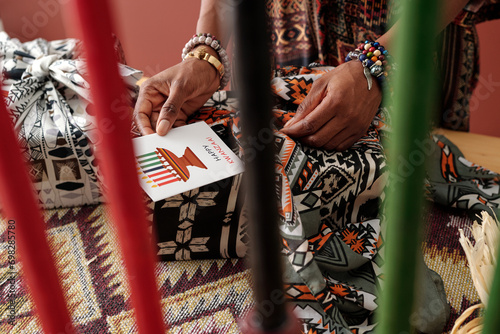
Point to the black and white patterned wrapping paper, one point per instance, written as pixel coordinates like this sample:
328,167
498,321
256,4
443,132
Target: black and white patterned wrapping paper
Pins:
49,104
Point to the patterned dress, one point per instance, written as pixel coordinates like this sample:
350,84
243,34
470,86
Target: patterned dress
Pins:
331,226
304,31
328,205
335,245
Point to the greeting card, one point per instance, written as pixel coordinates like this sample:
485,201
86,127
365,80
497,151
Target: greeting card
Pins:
186,158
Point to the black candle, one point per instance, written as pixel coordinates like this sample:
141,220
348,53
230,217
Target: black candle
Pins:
253,86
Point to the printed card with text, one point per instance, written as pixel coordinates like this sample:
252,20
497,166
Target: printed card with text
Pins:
186,158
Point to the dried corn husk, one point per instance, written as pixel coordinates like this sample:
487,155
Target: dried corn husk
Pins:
482,261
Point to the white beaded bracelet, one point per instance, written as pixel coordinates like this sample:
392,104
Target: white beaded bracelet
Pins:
211,41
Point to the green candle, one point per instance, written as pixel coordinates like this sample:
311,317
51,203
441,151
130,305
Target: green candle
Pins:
414,98
491,317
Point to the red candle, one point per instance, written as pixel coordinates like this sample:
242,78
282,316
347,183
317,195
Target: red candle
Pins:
25,233
115,153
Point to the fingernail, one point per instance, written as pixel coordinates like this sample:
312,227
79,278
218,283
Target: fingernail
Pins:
163,127
289,123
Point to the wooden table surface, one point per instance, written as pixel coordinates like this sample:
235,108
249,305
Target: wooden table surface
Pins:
479,149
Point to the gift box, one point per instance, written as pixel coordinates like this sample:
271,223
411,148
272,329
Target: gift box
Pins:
50,106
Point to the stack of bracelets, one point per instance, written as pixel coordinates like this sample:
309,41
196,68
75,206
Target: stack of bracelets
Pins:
374,58
211,41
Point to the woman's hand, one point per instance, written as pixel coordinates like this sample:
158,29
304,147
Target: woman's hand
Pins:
338,110
167,99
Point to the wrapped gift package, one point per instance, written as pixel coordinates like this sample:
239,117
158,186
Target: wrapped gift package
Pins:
50,107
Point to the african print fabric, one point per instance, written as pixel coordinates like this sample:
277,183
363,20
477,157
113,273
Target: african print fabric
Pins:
328,206
456,182
459,62
48,100
305,31
324,31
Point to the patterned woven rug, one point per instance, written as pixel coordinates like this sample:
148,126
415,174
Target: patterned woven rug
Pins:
444,254
197,296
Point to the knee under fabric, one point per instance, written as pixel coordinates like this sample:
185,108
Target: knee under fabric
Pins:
431,311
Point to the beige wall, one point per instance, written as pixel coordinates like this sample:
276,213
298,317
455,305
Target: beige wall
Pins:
153,33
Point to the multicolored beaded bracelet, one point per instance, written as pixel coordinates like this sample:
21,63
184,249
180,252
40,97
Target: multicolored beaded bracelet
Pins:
374,58
211,41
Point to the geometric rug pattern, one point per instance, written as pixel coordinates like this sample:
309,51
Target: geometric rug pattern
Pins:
197,296
444,254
